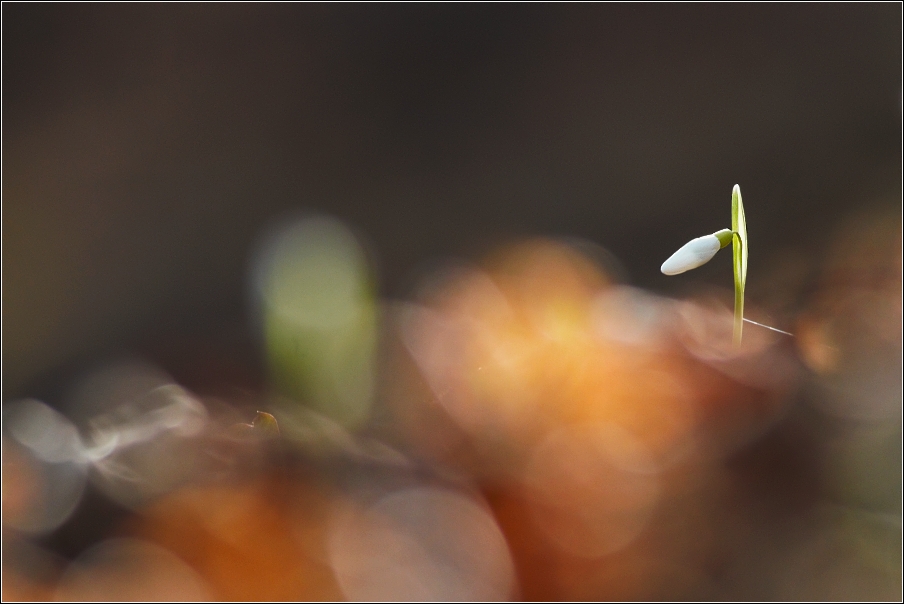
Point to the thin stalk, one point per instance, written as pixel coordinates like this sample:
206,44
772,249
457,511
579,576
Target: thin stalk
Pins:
787,333
739,257
738,312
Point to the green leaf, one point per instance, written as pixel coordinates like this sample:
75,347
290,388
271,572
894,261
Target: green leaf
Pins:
739,255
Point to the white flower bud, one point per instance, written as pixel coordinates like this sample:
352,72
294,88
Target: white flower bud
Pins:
692,254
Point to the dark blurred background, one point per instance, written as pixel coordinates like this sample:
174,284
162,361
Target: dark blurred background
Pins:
147,149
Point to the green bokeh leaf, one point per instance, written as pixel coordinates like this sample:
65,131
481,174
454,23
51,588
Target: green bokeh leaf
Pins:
265,425
739,254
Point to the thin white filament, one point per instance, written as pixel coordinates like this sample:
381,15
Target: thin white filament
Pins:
767,327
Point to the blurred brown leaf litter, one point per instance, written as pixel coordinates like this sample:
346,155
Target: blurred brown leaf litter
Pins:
321,302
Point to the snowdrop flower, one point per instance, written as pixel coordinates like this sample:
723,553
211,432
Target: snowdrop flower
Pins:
701,250
696,252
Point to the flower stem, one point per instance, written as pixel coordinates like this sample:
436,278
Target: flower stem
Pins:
739,257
